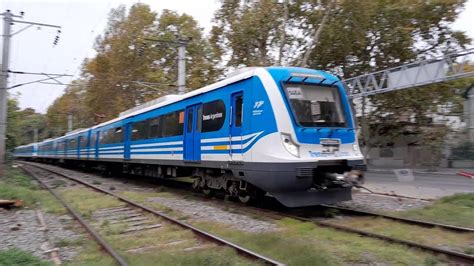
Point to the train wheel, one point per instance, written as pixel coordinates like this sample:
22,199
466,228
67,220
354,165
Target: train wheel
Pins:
245,199
196,184
208,191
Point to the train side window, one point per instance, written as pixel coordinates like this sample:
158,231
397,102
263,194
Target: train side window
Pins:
155,127
239,103
72,144
104,137
172,124
190,121
118,135
140,130
93,139
83,141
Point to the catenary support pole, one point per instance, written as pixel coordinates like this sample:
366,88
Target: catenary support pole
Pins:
181,68
69,122
7,20
35,135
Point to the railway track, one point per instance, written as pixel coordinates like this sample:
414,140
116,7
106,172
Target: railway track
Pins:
107,247
453,256
401,219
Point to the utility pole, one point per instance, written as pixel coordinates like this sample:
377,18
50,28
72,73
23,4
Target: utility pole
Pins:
181,68
69,122
8,19
181,43
35,135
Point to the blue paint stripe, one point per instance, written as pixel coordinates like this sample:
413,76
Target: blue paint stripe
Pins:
234,142
114,149
158,147
157,152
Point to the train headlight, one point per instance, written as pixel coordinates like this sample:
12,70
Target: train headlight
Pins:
355,147
290,145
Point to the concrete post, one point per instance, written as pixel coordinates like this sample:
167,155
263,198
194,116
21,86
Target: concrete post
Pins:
7,20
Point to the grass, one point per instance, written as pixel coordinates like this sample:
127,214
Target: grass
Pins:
18,257
427,236
16,185
91,255
456,210
86,201
156,242
143,196
300,243
58,183
217,256
66,242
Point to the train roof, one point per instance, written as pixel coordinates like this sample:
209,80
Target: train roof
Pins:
26,145
235,78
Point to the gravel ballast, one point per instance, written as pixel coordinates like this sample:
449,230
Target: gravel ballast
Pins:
203,211
20,229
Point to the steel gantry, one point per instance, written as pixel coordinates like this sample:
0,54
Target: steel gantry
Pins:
425,72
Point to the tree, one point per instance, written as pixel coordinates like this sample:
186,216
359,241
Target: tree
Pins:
126,56
12,122
347,38
109,74
21,124
72,102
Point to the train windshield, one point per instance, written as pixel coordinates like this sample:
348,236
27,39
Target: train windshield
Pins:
315,106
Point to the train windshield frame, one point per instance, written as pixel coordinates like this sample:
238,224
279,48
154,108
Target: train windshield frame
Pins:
315,105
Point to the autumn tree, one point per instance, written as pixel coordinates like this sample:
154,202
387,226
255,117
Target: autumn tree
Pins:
110,74
72,102
127,56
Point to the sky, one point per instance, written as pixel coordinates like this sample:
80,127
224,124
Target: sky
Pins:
81,22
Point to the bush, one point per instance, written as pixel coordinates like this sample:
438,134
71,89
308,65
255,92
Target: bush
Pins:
464,151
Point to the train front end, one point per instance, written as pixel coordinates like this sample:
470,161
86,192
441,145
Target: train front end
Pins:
318,160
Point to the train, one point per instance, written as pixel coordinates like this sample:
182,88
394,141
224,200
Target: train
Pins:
283,132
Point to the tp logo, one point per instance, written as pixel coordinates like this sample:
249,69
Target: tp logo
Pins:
258,104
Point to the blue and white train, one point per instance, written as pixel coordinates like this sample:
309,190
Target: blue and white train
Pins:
281,131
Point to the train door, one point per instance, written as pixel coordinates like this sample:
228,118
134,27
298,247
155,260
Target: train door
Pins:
192,133
96,144
126,141
79,146
236,120
88,145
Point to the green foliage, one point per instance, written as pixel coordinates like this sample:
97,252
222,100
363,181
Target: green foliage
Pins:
464,151
22,123
12,122
359,37
18,257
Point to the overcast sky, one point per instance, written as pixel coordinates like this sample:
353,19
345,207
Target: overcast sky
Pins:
81,21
